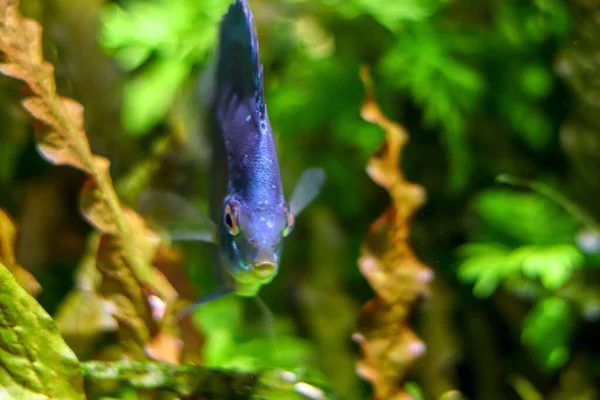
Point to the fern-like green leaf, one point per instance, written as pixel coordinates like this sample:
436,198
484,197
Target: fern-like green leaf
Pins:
484,264
487,265
553,265
423,63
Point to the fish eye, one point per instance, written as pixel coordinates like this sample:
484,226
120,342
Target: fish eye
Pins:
230,219
290,223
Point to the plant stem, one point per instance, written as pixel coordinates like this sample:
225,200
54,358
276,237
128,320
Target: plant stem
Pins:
208,383
185,380
575,210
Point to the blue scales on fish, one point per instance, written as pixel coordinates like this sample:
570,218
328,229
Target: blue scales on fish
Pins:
249,216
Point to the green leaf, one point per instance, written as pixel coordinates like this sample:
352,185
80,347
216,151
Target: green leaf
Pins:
180,33
140,25
489,264
174,29
286,352
525,218
424,63
528,24
536,81
222,313
524,388
521,105
392,13
486,265
547,330
148,96
132,57
389,13
220,320
554,265
229,344
414,390
35,362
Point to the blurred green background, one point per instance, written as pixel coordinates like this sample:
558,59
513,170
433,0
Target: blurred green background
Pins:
484,87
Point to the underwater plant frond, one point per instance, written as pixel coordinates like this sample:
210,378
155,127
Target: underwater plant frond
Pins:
389,346
125,250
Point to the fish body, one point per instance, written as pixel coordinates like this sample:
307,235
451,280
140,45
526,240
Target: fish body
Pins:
249,215
247,201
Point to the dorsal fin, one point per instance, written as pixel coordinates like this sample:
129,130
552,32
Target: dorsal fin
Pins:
239,72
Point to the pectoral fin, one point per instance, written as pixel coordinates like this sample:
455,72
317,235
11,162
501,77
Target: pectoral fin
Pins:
203,300
176,217
307,189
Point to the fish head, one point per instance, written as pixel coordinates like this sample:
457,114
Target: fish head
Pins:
251,240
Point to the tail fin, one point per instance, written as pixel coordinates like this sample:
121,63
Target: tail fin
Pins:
239,72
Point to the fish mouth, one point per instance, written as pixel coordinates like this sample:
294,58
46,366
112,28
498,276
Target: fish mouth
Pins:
256,274
264,269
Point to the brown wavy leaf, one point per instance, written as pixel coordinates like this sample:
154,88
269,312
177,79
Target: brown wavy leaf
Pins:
56,146
132,310
126,245
62,140
83,316
138,317
189,351
93,204
165,347
389,347
8,236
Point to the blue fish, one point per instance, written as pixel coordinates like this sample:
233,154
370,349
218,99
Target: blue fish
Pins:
249,216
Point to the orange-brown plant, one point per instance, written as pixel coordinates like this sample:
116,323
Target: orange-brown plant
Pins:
126,245
389,346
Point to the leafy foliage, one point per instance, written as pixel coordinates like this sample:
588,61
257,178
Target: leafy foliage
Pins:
180,34
485,88
445,87
538,243
141,297
542,231
524,217
124,252
30,368
547,331
189,381
227,347
538,236
438,66
85,304
488,265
